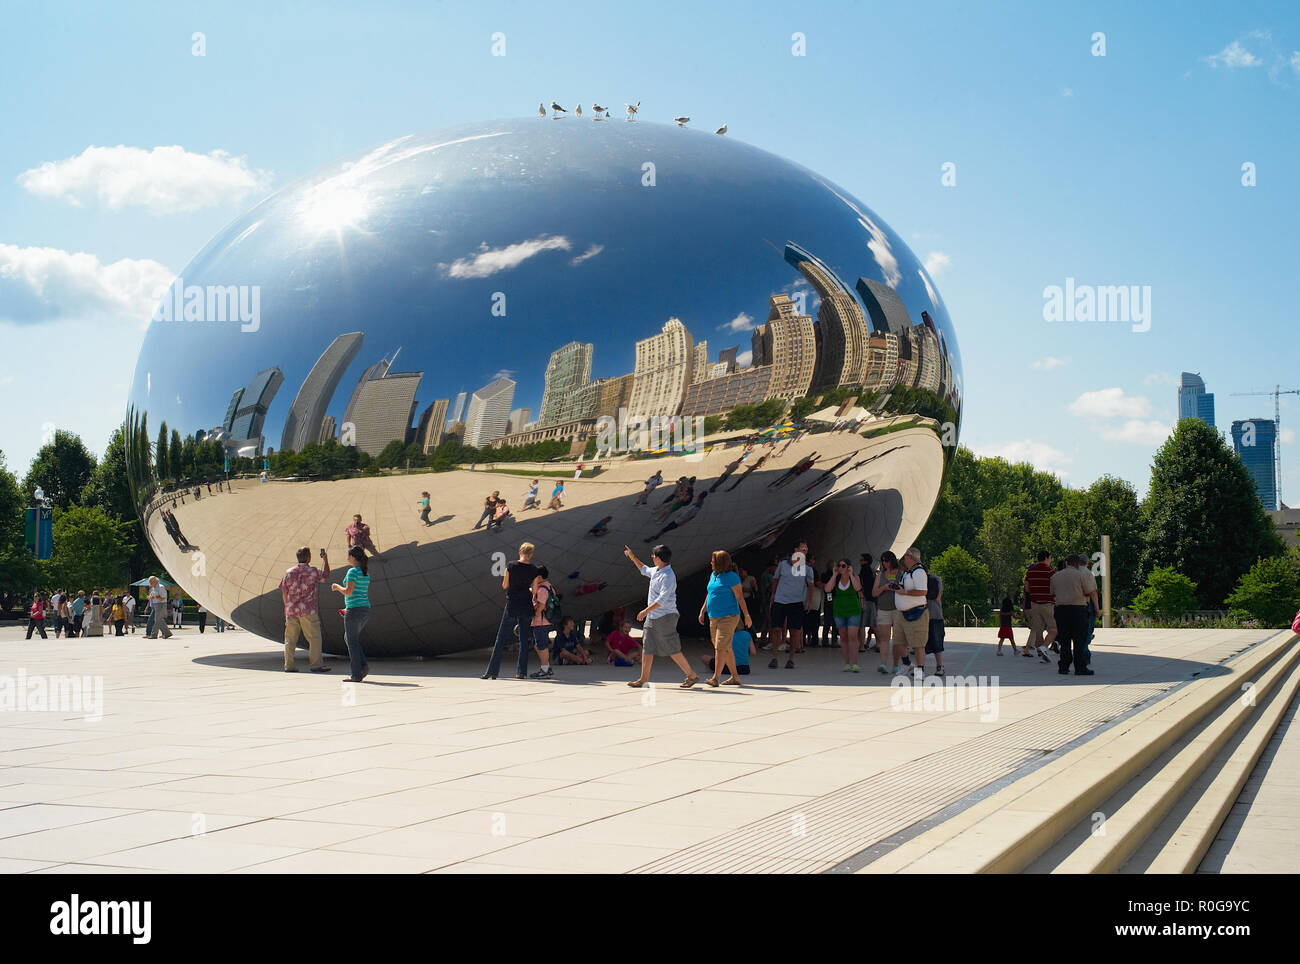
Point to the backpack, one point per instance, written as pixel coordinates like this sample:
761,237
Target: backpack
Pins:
1295,623
552,611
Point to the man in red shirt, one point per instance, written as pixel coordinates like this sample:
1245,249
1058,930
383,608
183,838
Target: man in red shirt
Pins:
1041,617
298,592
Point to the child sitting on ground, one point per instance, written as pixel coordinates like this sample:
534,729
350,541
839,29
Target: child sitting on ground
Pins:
623,650
1007,613
741,644
569,645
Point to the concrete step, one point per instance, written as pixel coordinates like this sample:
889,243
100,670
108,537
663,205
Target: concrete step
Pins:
1012,828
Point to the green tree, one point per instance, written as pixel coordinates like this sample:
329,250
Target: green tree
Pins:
391,455
160,463
1269,592
62,468
1202,516
1003,547
1167,594
176,457
1082,516
965,582
91,549
18,570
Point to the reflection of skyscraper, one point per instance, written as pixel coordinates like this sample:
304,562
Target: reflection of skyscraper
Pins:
1193,400
378,370
728,357
433,421
1253,440
882,362
457,408
841,329
613,394
887,311
326,430
663,371
253,405
383,411
518,419
788,343
568,370
302,424
749,386
228,422
489,410
700,366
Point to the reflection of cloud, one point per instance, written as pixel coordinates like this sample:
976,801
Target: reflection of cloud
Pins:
1233,56
742,322
745,358
1110,403
1137,431
48,284
504,373
164,180
587,255
936,262
1047,364
879,243
488,261
929,288
1038,454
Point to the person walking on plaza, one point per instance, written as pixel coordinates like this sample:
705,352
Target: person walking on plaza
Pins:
845,589
517,618
202,612
77,612
356,610
557,496
36,617
128,604
118,614
1005,631
790,588
1041,615
882,589
867,577
301,616
911,612
65,616
359,536
934,636
1073,588
725,608
540,630
424,508
56,612
157,611
178,607
659,637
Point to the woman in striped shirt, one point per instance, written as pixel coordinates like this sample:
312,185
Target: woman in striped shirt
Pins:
356,610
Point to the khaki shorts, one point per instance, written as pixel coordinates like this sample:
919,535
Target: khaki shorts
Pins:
915,633
721,630
1042,620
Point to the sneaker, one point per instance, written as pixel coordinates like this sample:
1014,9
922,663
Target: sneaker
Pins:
853,668
772,665
321,669
1029,653
488,676
291,669
789,664
783,648
1043,656
543,673
907,661
1084,672
938,671
898,670
847,668
882,669
1056,647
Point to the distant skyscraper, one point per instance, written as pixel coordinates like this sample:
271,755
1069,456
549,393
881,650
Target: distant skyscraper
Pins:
458,408
228,423
1194,401
567,371
253,406
433,423
887,311
489,411
1253,440
841,328
302,424
728,357
384,409
663,372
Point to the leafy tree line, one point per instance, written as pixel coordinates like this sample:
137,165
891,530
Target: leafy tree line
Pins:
1199,540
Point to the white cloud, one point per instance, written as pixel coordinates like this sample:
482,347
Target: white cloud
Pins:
488,261
1139,431
745,358
1110,403
1161,378
164,180
1233,56
742,322
1048,363
587,255
936,262
1040,455
1287,436
48,284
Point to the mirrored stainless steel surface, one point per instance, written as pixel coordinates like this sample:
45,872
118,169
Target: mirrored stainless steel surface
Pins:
569,281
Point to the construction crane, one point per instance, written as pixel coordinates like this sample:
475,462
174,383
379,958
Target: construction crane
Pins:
1277,392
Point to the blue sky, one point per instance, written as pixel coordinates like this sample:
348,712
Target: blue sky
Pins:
1123,169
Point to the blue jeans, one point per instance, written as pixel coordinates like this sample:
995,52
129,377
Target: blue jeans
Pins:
509,621
354,620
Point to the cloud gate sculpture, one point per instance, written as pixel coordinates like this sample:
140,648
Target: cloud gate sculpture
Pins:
464,312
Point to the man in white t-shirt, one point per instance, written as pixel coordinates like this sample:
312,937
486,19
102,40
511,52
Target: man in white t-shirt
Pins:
157,610
129,604
911,633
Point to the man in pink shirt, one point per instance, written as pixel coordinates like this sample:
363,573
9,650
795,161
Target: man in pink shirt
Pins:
298,591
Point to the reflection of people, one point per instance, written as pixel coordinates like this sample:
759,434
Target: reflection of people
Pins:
749,471
359,535
530,500
557,496
499,515
660,638
301,617
577,472
731,467
601,527
356,611
794,471
489,507
424,508
682,516
650,485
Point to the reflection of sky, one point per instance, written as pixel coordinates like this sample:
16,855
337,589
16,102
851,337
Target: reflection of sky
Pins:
412,242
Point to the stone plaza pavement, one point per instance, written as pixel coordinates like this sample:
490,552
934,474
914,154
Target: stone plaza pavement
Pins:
207,758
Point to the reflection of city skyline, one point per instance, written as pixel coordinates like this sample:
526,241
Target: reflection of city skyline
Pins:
862,336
